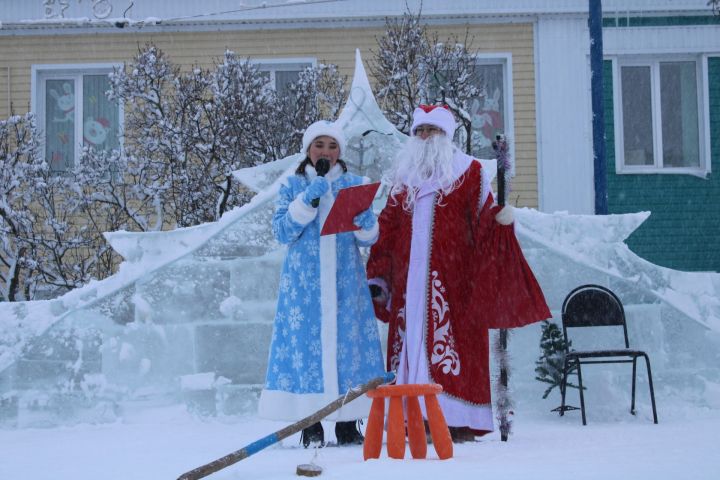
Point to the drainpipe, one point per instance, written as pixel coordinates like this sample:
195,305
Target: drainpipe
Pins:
598,111
8,92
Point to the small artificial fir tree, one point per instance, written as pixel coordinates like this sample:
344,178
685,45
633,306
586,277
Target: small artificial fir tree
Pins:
549,367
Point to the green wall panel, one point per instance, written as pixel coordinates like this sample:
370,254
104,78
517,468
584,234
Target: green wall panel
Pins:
683,231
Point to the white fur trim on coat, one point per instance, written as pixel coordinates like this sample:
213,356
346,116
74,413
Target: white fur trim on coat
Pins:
279,405
367,235
328,298
301,212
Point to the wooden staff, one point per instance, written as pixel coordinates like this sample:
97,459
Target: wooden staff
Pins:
501,155
256,446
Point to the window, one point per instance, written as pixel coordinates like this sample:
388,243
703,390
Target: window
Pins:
280,73
490,111
73,111
659,105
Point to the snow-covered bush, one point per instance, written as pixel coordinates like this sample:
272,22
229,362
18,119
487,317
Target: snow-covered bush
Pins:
185,132
45,249
178,148
20,170
318,93
413,66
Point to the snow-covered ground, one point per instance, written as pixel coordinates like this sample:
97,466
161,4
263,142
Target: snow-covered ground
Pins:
162,444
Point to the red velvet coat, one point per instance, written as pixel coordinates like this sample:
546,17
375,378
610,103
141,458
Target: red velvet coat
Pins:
477,279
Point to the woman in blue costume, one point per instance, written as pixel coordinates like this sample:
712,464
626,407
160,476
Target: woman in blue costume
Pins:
325,337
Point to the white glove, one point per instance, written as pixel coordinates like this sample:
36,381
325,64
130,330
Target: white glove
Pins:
505,216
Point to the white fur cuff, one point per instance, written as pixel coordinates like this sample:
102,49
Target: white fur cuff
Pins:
366,236
505,216
301,212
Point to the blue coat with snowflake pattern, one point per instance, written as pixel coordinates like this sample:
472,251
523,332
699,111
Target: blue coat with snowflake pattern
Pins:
325,337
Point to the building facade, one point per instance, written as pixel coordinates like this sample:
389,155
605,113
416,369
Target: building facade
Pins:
533,55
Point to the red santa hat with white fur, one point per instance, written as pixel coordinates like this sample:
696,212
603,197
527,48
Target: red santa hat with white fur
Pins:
437,115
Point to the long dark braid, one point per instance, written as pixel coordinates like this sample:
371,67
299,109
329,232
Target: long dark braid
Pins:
301,168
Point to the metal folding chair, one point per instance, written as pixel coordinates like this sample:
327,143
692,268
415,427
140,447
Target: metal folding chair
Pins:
595,306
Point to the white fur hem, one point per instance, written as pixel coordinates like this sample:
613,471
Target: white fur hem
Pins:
459,414
291,407
300,212
367,236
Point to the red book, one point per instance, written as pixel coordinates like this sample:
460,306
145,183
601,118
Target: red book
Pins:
348,204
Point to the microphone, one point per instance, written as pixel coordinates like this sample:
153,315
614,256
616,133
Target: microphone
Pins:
322,166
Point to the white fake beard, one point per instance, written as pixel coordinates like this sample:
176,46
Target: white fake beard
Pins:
420,162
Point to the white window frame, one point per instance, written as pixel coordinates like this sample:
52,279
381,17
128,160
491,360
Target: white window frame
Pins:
273,65
653,61
504,59
39,76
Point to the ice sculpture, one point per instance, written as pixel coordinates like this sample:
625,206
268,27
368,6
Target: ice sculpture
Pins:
189,314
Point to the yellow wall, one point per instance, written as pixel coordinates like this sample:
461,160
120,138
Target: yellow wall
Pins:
337,46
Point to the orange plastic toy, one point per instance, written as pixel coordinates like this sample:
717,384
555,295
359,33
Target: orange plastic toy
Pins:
415,427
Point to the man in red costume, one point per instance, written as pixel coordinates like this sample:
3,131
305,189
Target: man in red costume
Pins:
446,268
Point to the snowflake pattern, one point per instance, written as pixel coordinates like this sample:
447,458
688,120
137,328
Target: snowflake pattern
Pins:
294,260
282,352
284,381
284,283
297,361
295,318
